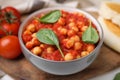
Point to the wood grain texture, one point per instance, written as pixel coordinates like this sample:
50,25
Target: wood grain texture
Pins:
21,69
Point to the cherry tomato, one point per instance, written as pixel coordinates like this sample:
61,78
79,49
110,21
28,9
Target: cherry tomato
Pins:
11,28
10,47
11,10
2,33
9,21
1,15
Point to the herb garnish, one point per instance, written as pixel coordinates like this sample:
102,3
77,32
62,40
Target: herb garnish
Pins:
117,76
90,35
47,36
51,17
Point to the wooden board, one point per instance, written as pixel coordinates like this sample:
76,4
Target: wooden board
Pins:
21,69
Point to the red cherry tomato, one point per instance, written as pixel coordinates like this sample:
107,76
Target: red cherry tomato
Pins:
2,33
9,21
10,47
12,11
11,28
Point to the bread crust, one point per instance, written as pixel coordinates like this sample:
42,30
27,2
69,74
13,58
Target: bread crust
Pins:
110,10
110,38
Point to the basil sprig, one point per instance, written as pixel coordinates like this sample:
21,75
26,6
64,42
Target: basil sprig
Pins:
47,36
117,76
90,35
51,17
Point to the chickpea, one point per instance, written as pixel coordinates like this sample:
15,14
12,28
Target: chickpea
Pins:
34,35
29,45
31,27
69,43
35,21
35,41
50,49
80,24
61,21
64,41
27,32
68,57
71,20
71,24
63,31
75,38
80,14
90,47
78,56
64,15
84,53
42,46
84,28
70,32
77,46
59,28
36,50
75,29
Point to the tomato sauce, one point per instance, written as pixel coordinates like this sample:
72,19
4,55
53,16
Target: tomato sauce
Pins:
69,29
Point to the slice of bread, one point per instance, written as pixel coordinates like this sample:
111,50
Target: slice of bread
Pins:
111,33
110,10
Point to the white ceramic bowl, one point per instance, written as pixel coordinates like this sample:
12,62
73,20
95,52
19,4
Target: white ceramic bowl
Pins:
59,67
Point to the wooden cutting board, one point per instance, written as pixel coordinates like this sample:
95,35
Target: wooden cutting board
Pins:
21,69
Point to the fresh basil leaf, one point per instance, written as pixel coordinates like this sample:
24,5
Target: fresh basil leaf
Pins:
47,36
90,35
51,17
117,76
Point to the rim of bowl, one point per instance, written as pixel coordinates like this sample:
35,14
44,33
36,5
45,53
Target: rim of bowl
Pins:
59,8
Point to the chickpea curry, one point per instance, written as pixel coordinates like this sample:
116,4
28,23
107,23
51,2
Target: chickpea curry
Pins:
60,35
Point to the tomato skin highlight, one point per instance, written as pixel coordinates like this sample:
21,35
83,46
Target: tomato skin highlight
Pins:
10,47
